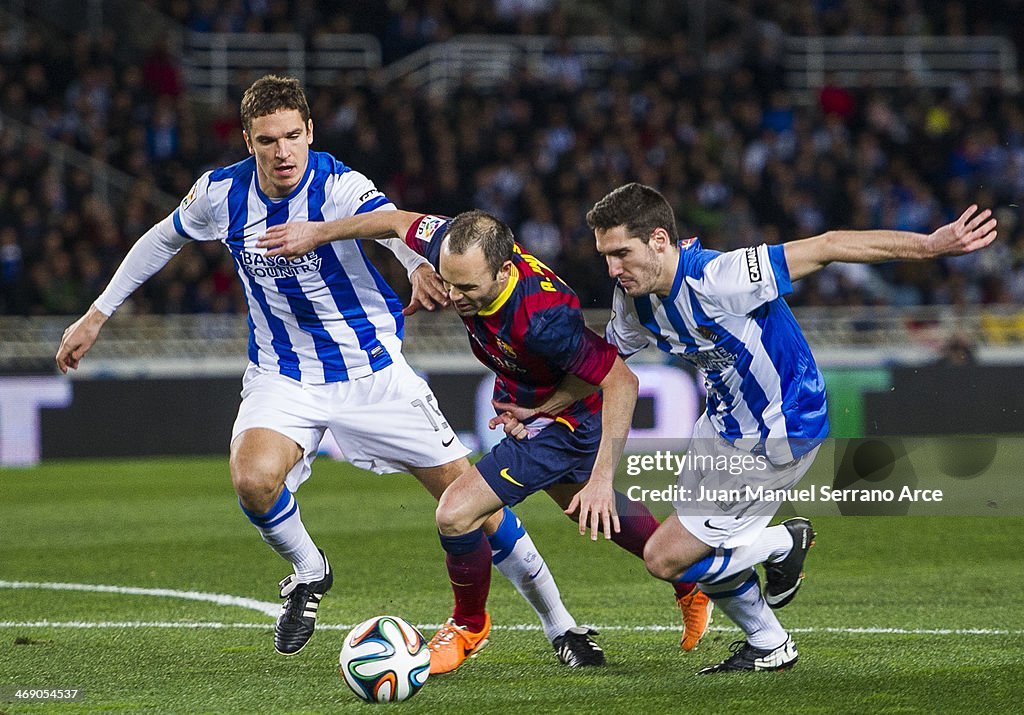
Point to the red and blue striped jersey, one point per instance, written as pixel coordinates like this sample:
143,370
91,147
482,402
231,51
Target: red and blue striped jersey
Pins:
532,335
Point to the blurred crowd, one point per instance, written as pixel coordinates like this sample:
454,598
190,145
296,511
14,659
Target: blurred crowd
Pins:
716,131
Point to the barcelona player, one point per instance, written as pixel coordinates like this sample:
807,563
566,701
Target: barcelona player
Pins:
526,325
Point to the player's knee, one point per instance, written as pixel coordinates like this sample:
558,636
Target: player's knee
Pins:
453,518
659,568
256,486
659,565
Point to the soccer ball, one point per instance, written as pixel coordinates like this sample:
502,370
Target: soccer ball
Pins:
384,659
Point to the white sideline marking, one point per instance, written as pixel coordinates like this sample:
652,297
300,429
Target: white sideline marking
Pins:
272,609
510,627
264,607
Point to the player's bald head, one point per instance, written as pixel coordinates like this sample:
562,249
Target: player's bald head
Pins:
479,228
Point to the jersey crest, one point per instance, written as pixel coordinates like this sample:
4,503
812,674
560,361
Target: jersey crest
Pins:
428,227
187,201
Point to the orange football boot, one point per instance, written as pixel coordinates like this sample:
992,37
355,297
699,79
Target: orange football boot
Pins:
451,645
696,608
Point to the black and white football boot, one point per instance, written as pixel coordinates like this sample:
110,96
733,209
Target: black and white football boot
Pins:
783,579
747,658
298,613
576,649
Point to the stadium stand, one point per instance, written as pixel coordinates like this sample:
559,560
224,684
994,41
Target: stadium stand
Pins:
714,124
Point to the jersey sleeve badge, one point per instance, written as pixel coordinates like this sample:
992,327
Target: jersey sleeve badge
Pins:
428,227
187,201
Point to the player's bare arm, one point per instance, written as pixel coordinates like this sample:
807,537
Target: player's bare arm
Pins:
972,231
596,500
79,338
297,238
571,389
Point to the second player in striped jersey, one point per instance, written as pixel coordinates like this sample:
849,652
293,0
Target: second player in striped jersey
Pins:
324,346
726,314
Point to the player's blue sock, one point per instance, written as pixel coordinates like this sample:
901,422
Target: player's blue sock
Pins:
282,528
516,557
740,599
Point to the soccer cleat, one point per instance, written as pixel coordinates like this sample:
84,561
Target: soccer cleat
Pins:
696,608
747,658
298,613
451,645
576,649
782,579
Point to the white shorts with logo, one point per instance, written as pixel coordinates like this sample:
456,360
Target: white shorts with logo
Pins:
385,422
729,525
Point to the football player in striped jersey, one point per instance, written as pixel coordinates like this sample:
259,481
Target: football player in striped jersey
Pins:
726,314
324,346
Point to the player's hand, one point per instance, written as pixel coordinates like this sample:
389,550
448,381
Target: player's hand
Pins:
973,230
523,414
512,426
78,338
427,290
596,502
294,239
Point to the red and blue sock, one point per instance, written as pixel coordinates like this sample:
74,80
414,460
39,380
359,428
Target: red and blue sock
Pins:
468,558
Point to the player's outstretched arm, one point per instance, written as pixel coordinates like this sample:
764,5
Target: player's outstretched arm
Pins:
972,231
79,338
297,238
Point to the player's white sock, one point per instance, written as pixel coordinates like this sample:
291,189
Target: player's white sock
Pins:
518,560
773,544
282,528
740,599
722,564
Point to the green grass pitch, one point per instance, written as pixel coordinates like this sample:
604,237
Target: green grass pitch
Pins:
949,587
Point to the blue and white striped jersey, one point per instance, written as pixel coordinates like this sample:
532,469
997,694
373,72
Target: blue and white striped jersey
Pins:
326,317
726,316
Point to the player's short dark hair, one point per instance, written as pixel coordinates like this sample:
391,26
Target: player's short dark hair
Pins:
477,227
271,93
639,208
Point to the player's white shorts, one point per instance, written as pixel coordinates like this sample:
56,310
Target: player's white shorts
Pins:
385,422
726,523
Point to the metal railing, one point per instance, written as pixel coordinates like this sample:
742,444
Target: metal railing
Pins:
190,342
356,56
487,61
900,61
216,62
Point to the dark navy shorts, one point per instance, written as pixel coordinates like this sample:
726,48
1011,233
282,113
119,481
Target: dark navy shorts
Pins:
516,468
